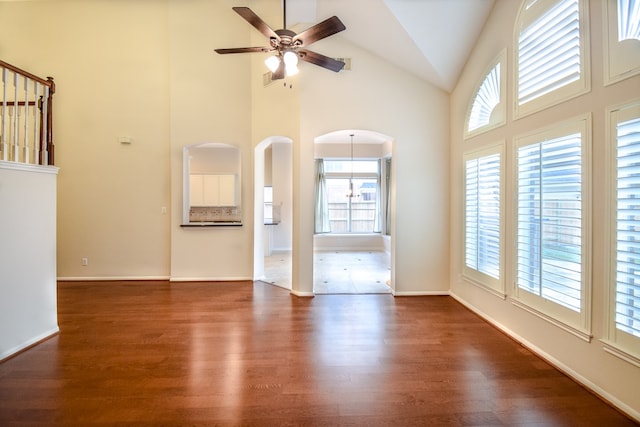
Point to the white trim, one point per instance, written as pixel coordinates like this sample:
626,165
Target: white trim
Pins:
582,334
211,279
302,294
420,293
492,291
617,351
608,397
110,278
28,167
35,340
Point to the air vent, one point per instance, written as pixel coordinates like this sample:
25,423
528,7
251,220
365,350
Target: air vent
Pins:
266,79
347,63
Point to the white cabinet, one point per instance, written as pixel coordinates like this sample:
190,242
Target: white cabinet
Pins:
212,190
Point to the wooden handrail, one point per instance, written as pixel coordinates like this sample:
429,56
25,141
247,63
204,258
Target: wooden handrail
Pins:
46,148
47,82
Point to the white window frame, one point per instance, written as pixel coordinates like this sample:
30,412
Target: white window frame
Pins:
576,323
621,58
616,342
498,114
494,285
526,17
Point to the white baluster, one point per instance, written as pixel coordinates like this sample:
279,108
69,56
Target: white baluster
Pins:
25,153
36,125
16,134
45,109
3,133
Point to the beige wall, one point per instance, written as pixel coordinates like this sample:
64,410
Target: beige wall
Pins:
378,97
109,61
614,378
147,70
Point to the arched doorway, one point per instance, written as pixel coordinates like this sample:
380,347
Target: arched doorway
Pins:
273,214
353,245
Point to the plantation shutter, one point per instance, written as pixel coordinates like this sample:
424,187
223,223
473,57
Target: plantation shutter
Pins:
482,210
549,242
627,315
486,99
549,51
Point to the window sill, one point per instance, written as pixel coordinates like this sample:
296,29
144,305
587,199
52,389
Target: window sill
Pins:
615,350
211,224
580,333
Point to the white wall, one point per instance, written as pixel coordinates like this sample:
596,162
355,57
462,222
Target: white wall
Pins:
615,379
28,289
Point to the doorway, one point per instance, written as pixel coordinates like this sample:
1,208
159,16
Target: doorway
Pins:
273,213
352,233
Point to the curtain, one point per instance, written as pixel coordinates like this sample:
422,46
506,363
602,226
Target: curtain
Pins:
377,222
322,224
387,174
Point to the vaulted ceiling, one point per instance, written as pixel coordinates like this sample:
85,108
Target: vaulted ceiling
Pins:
429,38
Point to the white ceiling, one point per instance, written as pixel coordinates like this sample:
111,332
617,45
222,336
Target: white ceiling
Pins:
429,38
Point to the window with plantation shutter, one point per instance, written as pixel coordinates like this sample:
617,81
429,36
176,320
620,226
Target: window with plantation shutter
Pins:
550,249
483,225
623,337
486,111
621,39
627,311
551,63
628,20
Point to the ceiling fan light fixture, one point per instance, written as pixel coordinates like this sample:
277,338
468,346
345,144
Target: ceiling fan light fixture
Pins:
290,58
272,63
291,70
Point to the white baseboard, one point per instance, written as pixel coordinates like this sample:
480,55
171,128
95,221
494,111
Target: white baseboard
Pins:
31,342
110,278
420,293
623,407
211,279
303,294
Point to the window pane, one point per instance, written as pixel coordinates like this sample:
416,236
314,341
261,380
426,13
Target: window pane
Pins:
627,316
338,201
352,214
549,249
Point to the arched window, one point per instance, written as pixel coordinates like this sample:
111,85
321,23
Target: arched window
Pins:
621,40
487,109
552,53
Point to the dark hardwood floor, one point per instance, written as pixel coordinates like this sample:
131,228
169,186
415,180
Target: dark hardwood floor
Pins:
231,354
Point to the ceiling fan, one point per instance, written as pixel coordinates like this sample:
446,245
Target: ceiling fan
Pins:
287,46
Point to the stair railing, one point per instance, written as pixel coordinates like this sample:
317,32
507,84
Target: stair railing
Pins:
26,117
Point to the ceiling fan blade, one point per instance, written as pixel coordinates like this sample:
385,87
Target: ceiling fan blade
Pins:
256,21
321,60
326,28
243,50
